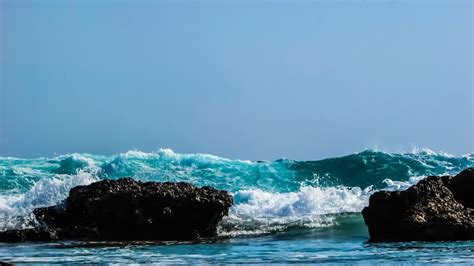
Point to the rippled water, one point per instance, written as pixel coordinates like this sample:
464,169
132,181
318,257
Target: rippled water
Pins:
292,246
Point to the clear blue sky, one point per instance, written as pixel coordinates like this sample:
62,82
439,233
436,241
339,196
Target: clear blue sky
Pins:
240,79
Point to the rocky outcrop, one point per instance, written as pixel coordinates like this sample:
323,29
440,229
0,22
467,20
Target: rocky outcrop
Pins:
126,209
435,209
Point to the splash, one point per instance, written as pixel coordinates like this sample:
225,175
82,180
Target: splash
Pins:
269,195
15,210
256,211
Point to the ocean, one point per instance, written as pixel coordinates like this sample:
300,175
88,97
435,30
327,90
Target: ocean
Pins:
285,211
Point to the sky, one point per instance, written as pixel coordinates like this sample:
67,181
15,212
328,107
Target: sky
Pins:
239,79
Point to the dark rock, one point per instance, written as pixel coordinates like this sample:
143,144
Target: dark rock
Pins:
126,209
52,216
462,187
33,234
437,208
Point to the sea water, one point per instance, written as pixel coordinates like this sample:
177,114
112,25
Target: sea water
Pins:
284,211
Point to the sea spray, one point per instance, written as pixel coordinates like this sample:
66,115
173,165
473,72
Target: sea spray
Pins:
256,211
15,210
269,195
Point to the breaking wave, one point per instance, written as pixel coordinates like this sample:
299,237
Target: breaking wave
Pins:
269,196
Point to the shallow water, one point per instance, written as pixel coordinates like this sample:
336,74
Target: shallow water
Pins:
284,211
293,246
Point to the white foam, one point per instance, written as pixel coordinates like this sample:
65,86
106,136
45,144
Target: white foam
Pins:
257,211
392,185
169,154
15,210
83,162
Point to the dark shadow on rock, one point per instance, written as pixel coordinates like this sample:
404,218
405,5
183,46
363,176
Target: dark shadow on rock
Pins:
126,209
435,209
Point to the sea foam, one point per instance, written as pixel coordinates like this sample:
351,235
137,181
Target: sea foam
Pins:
15,210
269,195
257,211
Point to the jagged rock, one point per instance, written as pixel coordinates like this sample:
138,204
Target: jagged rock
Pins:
126,209
437,208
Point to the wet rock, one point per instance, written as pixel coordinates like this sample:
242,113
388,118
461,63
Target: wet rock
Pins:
126,209
32,234
437,208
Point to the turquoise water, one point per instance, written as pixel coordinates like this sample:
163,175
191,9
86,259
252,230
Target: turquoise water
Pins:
285,210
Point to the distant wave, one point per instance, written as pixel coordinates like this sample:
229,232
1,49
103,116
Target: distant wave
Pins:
269,195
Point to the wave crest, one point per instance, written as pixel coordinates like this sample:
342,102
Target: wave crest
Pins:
269,195
256,211
15,210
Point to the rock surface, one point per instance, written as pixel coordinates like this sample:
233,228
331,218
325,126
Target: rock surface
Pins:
126,209
435,209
